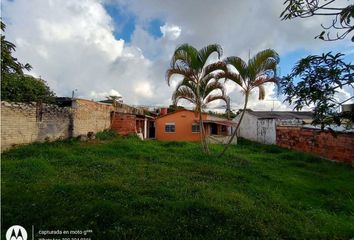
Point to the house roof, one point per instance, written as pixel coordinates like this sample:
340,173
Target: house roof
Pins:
177,111
281,114
224,122
208,116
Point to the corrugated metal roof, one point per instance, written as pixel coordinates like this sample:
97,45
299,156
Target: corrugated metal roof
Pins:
215,118
225,122
281,114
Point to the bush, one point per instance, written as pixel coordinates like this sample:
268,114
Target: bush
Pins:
106,134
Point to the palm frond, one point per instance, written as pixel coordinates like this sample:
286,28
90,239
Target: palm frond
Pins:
205,52
214,97
268,67
186,72
220,65
213,86
239,64
262,61
264,79
236,78
183,93
181,58
262,56
186,82
204,80
188,54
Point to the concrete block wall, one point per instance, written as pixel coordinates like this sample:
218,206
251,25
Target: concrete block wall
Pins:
23,123
26,123
89,116
338,146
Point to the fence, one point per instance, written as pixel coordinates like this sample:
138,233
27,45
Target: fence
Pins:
337,146
23,123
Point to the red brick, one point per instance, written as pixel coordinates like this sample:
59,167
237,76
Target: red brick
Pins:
338,147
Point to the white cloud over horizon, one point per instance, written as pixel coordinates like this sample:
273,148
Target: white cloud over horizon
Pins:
103,95
71,44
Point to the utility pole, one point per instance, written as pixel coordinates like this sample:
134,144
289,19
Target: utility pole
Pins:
272,100
73,93
228,107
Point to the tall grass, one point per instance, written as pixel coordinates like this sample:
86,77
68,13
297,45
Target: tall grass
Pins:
124,188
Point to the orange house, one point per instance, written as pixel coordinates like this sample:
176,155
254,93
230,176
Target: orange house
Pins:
183,125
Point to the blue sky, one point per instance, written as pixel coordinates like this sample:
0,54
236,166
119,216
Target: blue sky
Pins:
289,60
124,23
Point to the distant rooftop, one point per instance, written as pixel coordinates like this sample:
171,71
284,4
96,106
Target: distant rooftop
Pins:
281,114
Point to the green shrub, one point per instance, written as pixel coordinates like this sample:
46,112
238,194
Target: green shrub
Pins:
132,136
106,134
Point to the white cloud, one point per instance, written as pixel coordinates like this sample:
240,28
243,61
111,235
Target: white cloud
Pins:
170,31
143,89
71,43
115,93
72,46
103,95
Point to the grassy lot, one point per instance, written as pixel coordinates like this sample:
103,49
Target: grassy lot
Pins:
128,189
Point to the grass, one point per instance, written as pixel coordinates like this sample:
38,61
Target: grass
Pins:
129,189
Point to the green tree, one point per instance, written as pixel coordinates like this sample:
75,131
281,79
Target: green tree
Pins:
342,16
15,85
314,81
199,85
259,70
25,88
174,107
10,64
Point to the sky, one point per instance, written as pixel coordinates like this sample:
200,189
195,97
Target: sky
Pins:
123,47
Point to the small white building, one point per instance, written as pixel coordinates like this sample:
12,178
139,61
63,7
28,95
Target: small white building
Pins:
260,126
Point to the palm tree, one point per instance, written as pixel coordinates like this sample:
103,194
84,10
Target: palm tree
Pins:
199,85
259,70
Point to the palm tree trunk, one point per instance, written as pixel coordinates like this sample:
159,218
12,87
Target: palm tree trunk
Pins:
202,132
237,127
204,138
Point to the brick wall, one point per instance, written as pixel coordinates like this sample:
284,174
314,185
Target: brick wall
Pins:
339,147
124,123
25,123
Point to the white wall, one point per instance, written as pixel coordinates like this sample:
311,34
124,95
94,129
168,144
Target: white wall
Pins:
263,130
266,131
248,127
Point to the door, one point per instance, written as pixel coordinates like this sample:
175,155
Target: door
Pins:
151,129
214,129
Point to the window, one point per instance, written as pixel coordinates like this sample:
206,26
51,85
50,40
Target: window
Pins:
195,128
170,127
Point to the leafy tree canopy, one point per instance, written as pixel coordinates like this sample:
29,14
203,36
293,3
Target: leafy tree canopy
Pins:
314,81
10,64
226,115
15,85
342,18
173,108
25,88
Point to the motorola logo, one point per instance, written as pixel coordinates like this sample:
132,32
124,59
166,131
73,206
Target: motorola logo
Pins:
16,232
